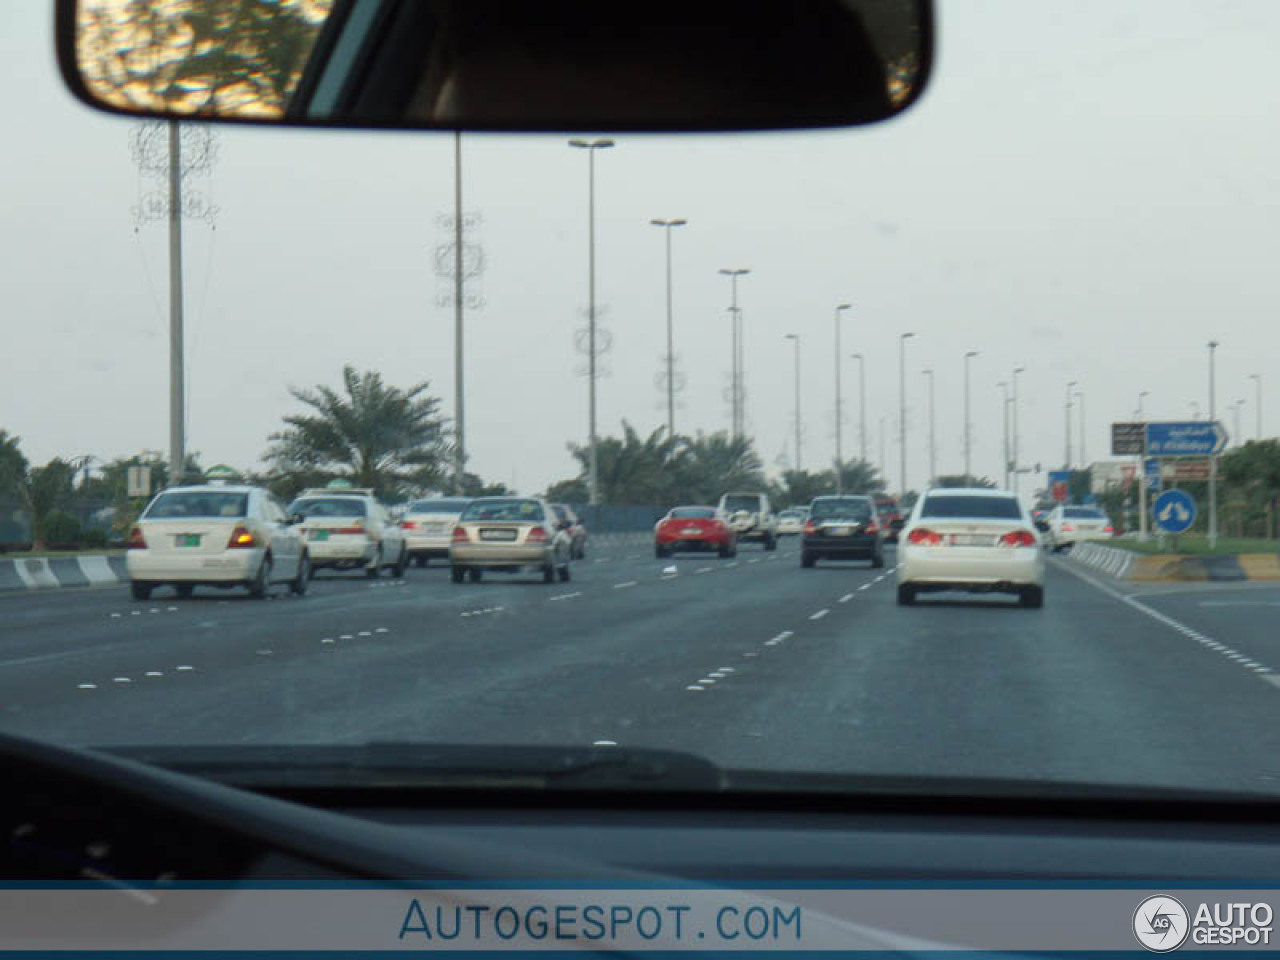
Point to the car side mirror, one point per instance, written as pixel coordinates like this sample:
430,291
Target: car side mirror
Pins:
295,519
1042,526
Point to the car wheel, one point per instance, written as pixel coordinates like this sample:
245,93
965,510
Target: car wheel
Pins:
374,568
724,551
549,573
770,542
661,552
140,591
185,590
906,595
565,575
877,561
398,569
1032,597
457,574
303,577
807,559
261,584
475,574
582,550
422,561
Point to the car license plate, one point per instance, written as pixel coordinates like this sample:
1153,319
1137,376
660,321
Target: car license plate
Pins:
318,535
690,532
969,540
187,540
497,534
841,531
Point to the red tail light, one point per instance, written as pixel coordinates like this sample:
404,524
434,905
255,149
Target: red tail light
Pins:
136,540
408,525
1067,528
810,527
872,528
241,539
924,538
350,531
459,535
1108,529
1018,538
536,535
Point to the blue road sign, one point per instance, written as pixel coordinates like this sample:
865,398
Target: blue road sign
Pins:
1190,438
1174,511
1151,474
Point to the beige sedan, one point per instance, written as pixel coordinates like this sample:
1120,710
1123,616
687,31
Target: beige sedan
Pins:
510,534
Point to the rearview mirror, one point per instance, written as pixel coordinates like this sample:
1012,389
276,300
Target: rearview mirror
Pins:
501,64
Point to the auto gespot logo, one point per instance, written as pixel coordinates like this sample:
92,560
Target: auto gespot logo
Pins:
1161,923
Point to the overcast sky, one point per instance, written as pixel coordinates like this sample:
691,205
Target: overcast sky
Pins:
1088,189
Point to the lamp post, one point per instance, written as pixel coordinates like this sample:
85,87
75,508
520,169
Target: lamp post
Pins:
1066,416
933,447
1084,457
1017,370
1141,404
839,429
591,146
795,339
1213,460
902,404
736,379
968,423
671,355
1004,420
1257,402
862,405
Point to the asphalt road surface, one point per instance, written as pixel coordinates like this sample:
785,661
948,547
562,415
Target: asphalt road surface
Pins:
751,662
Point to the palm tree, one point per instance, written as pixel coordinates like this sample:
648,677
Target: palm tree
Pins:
633,470
717,462
372,434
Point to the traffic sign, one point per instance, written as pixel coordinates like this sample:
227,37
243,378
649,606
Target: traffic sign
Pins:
1186,469
1126,439
1187,438
138,482
1151,473
1174,511
1059,485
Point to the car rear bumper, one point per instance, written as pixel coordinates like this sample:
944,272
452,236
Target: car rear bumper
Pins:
230,566
430,545
327,553
500,555
694,544
841,546
961,568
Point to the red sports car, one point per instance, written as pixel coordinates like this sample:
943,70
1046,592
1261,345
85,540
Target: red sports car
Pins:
694,528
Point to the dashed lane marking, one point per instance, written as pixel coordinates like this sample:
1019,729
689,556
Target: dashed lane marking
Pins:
820,614
624,584
846,598
567,596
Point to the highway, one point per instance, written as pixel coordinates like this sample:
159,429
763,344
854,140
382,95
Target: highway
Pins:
751,662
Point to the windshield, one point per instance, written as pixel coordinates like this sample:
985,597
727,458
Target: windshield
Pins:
1049,282
204,504
329,507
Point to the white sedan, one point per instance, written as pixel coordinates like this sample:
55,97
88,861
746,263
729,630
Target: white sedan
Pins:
791,521
972,540
216,536
1071,525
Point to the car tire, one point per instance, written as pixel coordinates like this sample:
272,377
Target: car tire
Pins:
906,595
140,591
374,568
770,542
549,573
877,561
565,575
399,567
302,578
475,574
1032,597
185,590
457,574
661,552
582,550
725,551
422,561
260,585
807,559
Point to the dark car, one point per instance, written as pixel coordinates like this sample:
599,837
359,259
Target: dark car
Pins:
891,517
843,528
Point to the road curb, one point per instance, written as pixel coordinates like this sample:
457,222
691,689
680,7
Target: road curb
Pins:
1176,568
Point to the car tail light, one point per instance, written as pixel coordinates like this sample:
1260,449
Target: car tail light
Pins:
1018,538
408,525
459,535
871,528
241,539
136,540
536,535
1108,529
924,538
1067,528
810,527
350,531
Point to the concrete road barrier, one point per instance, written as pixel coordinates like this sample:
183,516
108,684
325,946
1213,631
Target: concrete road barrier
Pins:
1173,568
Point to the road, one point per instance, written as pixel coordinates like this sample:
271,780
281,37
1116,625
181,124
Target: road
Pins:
753,663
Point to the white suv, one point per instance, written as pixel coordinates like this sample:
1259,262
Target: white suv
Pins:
751,518
347,528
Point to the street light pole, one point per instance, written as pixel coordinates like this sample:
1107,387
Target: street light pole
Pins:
902,405
933,446
671,356
1016,371
591,146
968,423
862,405
1213,460
1066,457
736,379
460,436
1141,397
795,339
839,429
1004,420
1257,390
1084,457
177,376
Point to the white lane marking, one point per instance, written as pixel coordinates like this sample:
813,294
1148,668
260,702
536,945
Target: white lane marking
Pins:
171,609
465,613
820,614
365,633
708,681
846,598
87,686
1169,621
381,630
347,636
1239,603
135,613
263,653
717,674
154,610
754,560
694,686
327,640
121,680
568,596
624,584
185,668
726,670
601,559
749,654
155,673
604,743
115,615
704,570
732,565
670,576
771,557
878,579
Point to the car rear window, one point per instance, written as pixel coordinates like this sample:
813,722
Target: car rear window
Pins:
1084,513
438,506
694,513
890,506
511,511
849,509
196,503
748,503
995,508
329,507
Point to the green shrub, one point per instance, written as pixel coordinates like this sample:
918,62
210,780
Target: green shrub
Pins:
95,539
61,527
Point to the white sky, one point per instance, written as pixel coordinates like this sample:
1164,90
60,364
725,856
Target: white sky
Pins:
1089,189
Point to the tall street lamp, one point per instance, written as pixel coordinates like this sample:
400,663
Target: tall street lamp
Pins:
933,446
1141,404
862,405
671,354
1235,419
591,146
1084,457
1016,371
1066,414
1004,419
1257,403
968,423
839,429
1213,461
795,339
902,404
736,379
